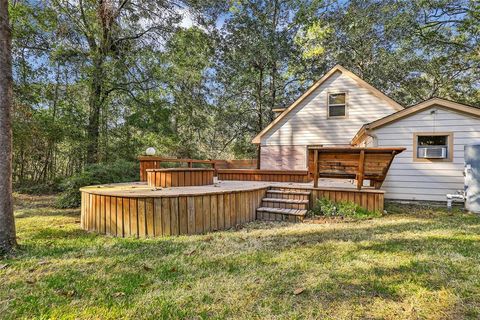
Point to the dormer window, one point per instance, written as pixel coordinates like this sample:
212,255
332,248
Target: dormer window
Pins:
337,106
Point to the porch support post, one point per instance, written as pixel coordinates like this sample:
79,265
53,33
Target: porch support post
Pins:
361,170
259,157
315,168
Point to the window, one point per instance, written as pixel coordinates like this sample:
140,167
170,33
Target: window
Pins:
337,107
431,147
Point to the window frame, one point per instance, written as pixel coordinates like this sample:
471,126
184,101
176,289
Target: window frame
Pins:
345,104
450,150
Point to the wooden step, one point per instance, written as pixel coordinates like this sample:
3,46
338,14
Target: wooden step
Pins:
280,214
289,191
279,194
285,203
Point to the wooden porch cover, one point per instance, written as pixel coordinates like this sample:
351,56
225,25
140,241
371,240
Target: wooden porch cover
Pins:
351,163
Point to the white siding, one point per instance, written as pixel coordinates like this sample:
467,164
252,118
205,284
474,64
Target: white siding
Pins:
307,124
283,157
409,180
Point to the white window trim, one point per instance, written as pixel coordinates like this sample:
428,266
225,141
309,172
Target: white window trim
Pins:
450,146
336,104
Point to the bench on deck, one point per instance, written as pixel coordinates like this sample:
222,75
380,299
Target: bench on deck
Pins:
351,163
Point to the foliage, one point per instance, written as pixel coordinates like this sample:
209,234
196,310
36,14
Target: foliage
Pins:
403,266
328,208
119,171
100,81
50,187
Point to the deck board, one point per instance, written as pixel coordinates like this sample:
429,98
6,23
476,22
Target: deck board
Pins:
136,210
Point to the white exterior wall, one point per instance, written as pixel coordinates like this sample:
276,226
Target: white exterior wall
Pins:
409,180
283,157
308,124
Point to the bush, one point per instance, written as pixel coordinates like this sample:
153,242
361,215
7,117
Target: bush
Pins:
120,171
328,208
50,187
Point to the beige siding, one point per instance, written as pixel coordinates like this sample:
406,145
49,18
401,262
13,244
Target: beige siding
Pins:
283,157
308,124
409,180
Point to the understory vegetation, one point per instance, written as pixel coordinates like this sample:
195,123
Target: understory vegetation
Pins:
418,263
119,171
345,209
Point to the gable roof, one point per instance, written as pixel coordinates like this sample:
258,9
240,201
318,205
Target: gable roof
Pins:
338,68
443,103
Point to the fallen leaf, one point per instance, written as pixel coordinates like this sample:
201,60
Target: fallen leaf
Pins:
147,268
298,291
3,266
68,293
191,252
119,294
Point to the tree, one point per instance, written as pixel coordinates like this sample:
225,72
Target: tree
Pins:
7,222
257,50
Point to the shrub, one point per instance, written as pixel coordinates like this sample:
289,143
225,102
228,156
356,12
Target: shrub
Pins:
328,208
49,187
119,171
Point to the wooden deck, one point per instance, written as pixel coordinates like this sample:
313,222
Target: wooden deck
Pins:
137,210
179,177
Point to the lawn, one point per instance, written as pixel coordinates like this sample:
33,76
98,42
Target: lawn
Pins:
414,263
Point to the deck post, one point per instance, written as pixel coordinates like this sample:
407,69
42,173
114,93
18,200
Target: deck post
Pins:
361,170
214,166
315,168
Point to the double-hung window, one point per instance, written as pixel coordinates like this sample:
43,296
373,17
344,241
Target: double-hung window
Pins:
337,105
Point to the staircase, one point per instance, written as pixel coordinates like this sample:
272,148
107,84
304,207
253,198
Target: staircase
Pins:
284,204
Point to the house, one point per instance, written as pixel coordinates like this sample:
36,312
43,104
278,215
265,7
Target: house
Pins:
329,113
341,109
434,133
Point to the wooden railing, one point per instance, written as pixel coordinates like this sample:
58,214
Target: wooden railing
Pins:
149,162
263,175
351,163
152,162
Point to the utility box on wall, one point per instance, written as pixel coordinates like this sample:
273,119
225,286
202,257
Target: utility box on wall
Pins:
472,177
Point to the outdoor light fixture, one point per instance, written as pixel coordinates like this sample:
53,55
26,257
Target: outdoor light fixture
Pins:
150,151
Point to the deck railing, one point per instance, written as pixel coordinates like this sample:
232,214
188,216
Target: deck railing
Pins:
152,162
264,175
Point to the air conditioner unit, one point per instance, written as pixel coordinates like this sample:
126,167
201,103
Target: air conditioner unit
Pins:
432,152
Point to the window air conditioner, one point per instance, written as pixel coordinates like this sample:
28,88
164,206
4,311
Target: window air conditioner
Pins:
432,152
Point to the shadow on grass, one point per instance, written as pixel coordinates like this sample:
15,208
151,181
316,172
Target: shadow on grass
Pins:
37,212
350,263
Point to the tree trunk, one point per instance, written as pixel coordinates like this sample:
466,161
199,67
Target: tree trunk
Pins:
7,222
273,75
259,100
95,104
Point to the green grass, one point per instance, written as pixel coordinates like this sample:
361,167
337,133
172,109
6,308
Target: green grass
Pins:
413,264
